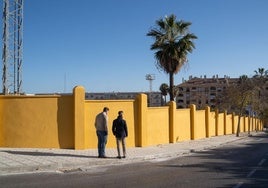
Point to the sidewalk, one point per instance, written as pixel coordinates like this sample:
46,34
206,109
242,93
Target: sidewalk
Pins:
25,160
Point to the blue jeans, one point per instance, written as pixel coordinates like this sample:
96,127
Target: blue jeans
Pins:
102,141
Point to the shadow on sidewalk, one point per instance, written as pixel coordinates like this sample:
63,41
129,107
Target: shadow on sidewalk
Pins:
36,153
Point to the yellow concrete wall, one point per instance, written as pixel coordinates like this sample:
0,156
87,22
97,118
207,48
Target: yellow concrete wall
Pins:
252,123
94,107
157,125
212,127
229,124
37,121
220,124
236,123
182,125
200,126
242,124
246,119
1,122
56,121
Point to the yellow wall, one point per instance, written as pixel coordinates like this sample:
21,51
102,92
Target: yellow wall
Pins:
220,124
94,107
212,127
229,124
157,129
235,123
246,123
200,127
37,121
61,121
182,125
242,124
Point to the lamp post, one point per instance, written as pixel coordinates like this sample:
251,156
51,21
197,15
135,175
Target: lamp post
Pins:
150,78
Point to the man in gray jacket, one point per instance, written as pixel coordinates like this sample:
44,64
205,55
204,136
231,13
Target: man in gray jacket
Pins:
101,125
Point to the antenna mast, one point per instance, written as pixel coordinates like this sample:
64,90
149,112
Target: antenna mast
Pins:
12,46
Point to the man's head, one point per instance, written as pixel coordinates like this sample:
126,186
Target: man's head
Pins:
105,109
120,113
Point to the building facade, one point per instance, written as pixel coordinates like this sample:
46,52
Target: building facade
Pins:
202,91
154,98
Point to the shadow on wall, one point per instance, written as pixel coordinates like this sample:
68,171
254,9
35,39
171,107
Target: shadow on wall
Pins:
65,122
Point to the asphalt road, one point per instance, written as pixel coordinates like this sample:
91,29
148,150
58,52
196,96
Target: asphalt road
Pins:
243,163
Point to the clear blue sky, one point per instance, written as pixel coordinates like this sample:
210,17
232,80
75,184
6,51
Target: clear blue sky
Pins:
102,44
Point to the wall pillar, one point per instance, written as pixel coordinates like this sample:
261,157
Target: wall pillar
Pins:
216,122
79,117
172,110
207,121
192,120
142,119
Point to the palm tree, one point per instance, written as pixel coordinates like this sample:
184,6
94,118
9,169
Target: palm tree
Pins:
260,73
164,90
172,44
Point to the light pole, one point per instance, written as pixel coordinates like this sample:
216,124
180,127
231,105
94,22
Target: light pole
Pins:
150,78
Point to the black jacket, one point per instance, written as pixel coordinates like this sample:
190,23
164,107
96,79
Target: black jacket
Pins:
120,128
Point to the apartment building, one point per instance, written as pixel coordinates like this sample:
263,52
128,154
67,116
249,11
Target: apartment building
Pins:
202,91
154,98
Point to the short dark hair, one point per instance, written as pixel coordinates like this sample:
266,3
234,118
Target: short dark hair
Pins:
120,112
105,109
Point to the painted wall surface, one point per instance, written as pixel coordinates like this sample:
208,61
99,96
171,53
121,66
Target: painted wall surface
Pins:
67,121
220,124
200,126
229,124
157,129
44,121
242,124
182,125
246,124
235,123
212,124
94,107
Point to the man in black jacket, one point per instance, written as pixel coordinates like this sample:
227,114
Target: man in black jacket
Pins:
120,132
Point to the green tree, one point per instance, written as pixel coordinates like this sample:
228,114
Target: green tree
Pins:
260,99
172,44
237,97
164,90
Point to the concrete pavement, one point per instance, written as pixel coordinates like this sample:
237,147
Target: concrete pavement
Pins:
31,160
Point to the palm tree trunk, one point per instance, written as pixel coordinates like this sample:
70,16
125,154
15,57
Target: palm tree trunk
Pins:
171,86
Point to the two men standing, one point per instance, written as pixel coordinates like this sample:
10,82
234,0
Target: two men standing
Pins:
119,129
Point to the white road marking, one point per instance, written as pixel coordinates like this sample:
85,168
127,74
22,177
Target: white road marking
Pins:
238,185
251,173
261,162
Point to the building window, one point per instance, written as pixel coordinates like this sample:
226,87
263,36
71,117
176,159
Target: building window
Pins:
213,88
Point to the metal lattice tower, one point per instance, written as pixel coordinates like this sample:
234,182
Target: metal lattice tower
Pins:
12,46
